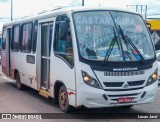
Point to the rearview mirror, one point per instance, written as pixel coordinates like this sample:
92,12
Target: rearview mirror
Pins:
158,57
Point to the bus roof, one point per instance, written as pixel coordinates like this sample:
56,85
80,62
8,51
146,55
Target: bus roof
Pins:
60,11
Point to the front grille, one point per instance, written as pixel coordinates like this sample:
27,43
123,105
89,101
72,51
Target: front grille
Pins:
114,98
131,73
123,95
113,84
124,89
136,83
120,84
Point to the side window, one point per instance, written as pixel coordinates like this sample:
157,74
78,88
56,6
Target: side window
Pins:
34,37
63,40
4,38
50,37
26,37
15,40
46,38
0,44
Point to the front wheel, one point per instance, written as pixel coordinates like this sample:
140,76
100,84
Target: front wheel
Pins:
63,100
19,85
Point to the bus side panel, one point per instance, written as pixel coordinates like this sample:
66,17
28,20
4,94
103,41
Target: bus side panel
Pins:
60,71
27,71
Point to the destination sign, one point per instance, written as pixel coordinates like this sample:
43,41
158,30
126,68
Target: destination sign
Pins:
102,20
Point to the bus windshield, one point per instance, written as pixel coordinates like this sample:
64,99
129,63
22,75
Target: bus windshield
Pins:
112,36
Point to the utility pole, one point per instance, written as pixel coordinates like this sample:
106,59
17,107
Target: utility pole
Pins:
141,9
11,10
82,2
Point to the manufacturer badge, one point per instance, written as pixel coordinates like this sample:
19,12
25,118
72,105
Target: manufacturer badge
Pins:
125,85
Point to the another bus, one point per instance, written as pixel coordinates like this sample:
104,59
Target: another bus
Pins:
82,56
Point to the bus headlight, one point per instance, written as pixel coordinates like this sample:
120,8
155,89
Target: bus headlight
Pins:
90,81
152,78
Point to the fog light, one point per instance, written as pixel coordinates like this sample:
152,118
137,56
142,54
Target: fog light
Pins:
105,97
144,93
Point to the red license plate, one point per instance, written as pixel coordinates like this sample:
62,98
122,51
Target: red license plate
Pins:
124,100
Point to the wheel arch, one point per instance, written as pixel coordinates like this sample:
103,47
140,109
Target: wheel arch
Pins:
15,72
57,86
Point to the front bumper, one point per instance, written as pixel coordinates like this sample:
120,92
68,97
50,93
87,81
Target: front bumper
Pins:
94,98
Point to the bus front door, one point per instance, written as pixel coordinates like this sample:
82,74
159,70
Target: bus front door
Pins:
46,37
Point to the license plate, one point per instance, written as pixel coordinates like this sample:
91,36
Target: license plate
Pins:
124,100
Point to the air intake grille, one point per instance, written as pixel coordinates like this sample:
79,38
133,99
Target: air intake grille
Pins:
120,84
113,84
114,98
124,73
136,83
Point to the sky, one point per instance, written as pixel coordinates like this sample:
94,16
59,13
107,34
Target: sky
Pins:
23,8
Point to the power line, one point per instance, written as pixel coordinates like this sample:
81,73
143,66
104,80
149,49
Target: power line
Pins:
82,2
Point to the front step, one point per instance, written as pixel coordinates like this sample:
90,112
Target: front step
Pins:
44,93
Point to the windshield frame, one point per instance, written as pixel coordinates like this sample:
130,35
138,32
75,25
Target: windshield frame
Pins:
82,59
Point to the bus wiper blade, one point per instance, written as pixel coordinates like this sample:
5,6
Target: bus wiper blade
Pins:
108,53
128,40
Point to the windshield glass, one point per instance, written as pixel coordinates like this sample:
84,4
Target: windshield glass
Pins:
100,34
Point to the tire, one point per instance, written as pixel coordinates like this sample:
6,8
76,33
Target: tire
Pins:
63,100
19,85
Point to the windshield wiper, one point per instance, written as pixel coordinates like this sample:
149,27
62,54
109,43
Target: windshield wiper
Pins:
128,40
128,55
108,53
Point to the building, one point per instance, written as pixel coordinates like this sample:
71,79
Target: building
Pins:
154,27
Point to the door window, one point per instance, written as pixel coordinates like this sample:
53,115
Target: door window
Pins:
34,37
4,38
63,40
26,37
15,40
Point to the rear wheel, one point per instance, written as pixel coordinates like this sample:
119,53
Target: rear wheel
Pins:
63,100
18,82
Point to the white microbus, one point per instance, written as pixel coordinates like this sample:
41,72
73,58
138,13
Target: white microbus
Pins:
80,56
